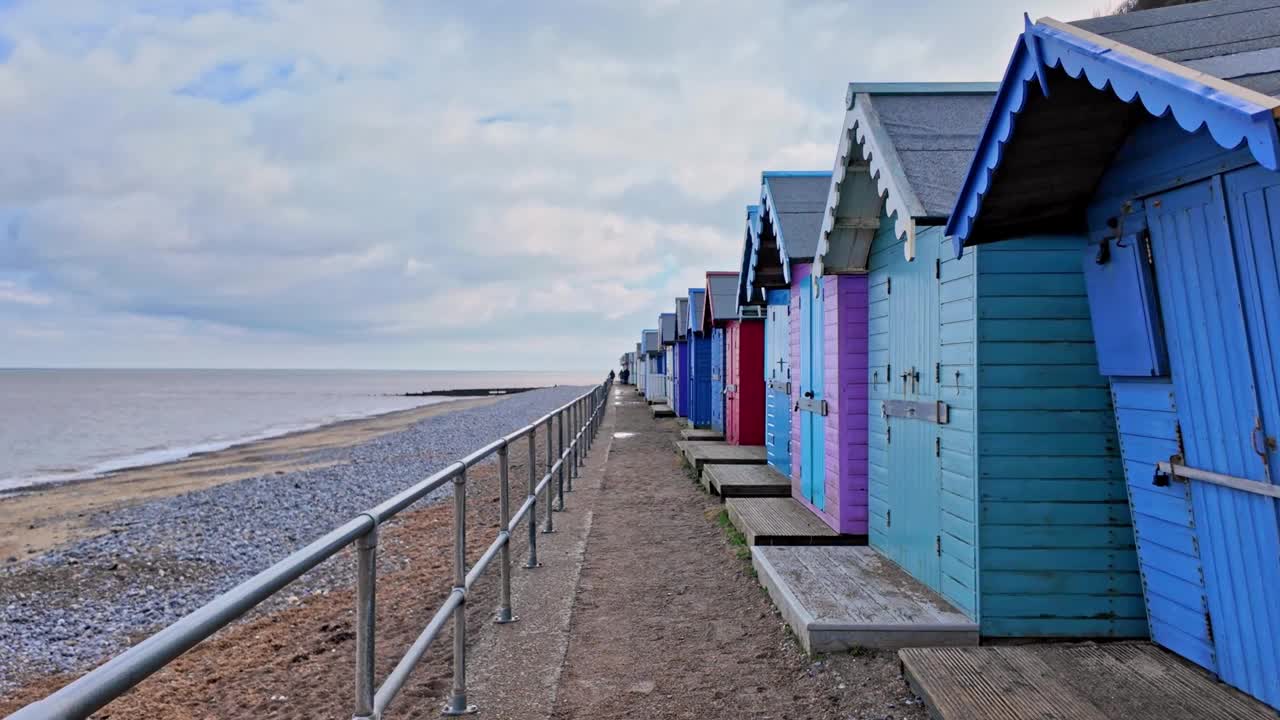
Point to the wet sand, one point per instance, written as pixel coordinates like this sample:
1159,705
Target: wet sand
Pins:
35,520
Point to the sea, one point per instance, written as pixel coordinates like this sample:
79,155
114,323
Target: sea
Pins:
59,425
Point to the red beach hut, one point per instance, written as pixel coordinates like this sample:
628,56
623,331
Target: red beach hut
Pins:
744,358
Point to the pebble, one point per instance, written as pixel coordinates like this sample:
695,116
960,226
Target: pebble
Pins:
67,610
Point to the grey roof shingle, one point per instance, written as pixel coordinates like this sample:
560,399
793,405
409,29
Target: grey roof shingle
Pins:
682,317
1235,40
696,297
934,136
724,296
798,204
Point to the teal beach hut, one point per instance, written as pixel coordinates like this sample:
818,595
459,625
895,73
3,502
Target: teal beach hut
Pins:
1143,149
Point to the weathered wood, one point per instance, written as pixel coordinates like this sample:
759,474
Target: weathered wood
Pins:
782,521
1133,680
745,481
836,598
662,410
700,453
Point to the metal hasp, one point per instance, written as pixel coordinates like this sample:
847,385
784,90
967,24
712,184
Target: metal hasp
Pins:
782,386
935,412
818,407
1166,471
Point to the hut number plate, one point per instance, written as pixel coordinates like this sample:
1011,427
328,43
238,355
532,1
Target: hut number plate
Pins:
929,411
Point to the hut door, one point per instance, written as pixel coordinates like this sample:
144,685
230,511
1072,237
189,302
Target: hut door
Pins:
812,422
777,375
717,379
1220,300
915,447
731,379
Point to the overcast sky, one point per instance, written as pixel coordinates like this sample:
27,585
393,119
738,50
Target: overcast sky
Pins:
415,184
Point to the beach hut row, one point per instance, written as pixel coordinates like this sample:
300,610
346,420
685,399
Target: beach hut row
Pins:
1023,338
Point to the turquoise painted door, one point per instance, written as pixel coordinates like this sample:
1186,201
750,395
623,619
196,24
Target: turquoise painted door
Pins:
812,425
777,375
1218,271
913,449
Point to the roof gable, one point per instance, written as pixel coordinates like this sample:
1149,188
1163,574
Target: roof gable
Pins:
697,308
667,324
904,149
1070,96
652,341
682,318
722,297
748,249
791,206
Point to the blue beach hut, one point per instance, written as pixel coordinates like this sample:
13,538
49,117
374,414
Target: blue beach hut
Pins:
791,207
655,382
681,382
699,361
993,472
667,326
1144,147
721,307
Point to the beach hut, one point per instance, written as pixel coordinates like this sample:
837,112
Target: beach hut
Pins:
994,473
667,324
681,383
641,366
655,381
721,307
699,361
796,411
744,355
1143,148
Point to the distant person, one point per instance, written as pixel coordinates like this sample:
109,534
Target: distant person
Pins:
625,376
610,376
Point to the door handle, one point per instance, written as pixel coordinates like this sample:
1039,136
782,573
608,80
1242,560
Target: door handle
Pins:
809,394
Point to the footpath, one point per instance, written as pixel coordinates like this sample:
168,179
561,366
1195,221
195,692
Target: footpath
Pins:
646,608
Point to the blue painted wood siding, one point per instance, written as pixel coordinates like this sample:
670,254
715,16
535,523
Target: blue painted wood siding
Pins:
777,338
1164,526
957,358
700,379
1056,540
717,379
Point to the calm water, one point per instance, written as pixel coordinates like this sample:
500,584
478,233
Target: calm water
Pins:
66,424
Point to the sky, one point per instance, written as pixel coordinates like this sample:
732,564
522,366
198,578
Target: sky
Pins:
413,184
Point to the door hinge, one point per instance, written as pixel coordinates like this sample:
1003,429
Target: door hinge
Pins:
937,268
937,372
888,435
937,446
937,544
888,285
888,518
1146,245
1208,625
1177,433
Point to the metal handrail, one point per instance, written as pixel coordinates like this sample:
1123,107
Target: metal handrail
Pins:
115,677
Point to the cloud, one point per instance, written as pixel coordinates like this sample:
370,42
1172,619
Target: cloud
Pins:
398,184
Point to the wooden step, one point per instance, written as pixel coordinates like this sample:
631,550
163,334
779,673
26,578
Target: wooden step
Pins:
838,598
1071,681
745,481
703,434
700,453
783,521
662,410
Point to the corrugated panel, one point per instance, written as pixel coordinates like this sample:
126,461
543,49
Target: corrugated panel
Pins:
1218,406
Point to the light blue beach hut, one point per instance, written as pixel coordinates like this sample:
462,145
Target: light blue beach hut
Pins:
1143,149
699,361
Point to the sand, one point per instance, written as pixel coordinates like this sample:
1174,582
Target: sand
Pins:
35,520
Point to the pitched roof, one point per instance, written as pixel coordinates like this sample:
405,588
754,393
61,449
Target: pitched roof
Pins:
908,146
697,306
682,317
752,230
652,342
1073,92
667,324
722,296
791,205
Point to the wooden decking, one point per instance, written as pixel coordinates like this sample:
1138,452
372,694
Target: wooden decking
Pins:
837,598
700,453
782,521
662,410
701,434
745,481
1131,680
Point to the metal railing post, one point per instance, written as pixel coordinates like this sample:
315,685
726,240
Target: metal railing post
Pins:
366,622
573,450
533,498
504,510
560,454
550,525
457,704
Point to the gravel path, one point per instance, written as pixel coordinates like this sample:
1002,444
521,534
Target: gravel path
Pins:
74,606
